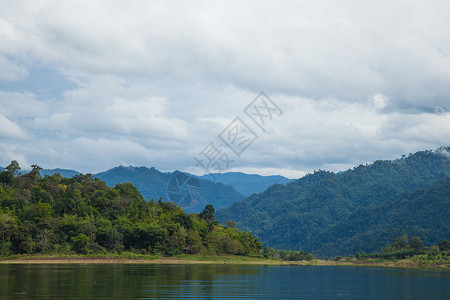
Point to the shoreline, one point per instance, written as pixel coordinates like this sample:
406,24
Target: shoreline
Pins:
83,260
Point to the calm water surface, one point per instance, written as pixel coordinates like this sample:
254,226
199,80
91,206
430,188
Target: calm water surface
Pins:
218,282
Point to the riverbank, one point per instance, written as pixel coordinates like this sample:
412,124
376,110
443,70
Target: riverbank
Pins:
196,259
136,259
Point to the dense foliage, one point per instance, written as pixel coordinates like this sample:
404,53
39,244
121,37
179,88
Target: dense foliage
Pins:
84,215
414,248
361,209
424,213
289,255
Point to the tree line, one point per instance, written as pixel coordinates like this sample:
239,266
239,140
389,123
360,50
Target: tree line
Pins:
84,215
403,247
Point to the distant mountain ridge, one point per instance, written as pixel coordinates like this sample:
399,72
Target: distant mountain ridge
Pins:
192,193
304,213
63,172
149,181
154,184
247,184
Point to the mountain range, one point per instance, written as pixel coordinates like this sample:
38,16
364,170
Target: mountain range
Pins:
192,192
184,189
247,184
360,209
63,172
325,213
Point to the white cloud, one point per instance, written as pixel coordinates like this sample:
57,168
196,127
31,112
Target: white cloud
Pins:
10,130
22,105
380,101
348,50
111,107
334,135
311,134
155,82
444,152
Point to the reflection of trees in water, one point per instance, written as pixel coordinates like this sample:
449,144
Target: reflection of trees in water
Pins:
118,281
190,279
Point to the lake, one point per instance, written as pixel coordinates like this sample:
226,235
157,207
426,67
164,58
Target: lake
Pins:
219,282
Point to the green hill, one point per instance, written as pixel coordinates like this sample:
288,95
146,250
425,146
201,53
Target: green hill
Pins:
300,215
424,213
155,184
84,215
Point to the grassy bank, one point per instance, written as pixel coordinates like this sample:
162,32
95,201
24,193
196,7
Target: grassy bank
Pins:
131,258
399,263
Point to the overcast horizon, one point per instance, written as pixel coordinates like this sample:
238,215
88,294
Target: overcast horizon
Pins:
90,86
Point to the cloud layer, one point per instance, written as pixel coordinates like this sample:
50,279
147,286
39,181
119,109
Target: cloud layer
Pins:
89,86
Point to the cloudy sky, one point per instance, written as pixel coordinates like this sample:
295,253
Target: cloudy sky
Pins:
89,85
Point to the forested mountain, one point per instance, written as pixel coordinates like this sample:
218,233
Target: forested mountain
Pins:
84,215
424,213
153,184
246,184
303,214
192,193
149,181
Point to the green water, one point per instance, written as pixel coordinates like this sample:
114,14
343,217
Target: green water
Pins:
218,282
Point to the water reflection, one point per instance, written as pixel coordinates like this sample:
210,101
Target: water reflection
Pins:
218,282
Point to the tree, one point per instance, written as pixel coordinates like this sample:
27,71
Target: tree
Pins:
44,239
42,211
444,245
84,178
434,250
6,222
35,172
113,239
13,168
400,242
230,224
416,243
194,240
208,213
79,243
268,252
176,241
5,177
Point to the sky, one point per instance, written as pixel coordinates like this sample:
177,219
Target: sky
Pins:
175,85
